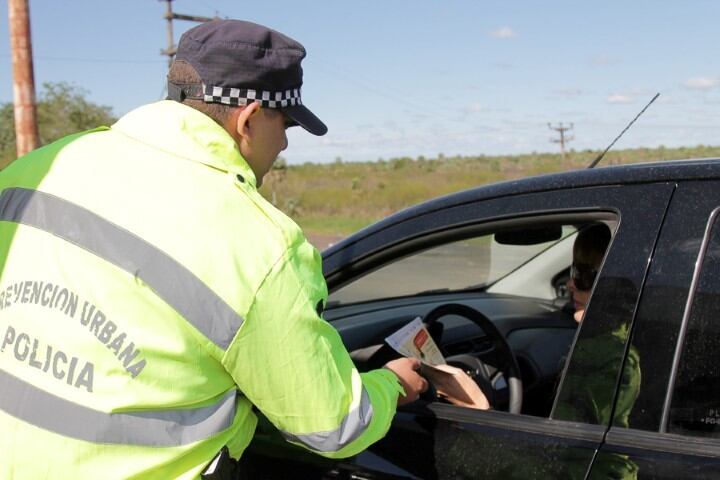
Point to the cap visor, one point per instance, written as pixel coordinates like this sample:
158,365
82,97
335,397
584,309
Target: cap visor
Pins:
306,119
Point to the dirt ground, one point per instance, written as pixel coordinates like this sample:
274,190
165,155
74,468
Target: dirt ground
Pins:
321,242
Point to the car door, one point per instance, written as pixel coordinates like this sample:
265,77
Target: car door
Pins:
443,441
672,429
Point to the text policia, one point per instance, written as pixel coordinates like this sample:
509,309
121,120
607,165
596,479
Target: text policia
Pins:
50,359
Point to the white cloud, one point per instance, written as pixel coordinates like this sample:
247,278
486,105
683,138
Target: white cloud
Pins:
503,32
702,83
620,98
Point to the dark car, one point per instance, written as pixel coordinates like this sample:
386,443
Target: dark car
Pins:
631,392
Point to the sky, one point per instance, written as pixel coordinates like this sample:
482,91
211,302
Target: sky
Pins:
402,78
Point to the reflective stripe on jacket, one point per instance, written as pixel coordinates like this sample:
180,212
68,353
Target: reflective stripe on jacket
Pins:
148,296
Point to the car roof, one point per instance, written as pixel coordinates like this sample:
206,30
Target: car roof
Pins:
666,171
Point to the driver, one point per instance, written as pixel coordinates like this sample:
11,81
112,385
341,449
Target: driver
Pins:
599,358
588,252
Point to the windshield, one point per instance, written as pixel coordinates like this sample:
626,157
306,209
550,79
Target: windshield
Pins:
472,263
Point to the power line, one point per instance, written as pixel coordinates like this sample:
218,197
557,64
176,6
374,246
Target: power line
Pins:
352,77
88,60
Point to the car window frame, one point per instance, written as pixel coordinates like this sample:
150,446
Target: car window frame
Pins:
535,435
366,253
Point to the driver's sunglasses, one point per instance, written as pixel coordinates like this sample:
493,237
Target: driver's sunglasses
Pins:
583,275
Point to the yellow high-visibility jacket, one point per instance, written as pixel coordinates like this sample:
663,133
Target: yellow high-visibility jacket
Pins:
149,296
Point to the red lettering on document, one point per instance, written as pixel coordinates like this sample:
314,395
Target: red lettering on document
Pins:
420,339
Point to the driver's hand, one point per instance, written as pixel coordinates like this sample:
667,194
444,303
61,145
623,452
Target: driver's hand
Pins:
463,392
407,370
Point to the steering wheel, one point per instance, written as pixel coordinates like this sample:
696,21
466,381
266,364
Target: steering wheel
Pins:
490,379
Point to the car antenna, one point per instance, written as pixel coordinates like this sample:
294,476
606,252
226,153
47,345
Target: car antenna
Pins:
595,162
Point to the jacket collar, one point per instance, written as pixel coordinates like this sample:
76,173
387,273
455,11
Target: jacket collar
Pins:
184,132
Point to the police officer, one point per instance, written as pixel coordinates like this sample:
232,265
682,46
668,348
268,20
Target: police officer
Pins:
150,296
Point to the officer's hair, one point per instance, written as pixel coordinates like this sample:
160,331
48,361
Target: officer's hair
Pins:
183,72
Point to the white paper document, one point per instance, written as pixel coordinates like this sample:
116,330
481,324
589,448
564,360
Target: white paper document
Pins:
414,341
451,383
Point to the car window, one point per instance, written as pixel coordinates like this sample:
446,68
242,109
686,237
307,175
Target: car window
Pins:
511,274
695,406
465,264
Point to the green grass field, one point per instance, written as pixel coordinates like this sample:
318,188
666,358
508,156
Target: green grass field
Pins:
340,198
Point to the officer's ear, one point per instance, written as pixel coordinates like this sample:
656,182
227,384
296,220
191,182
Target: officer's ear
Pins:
240,119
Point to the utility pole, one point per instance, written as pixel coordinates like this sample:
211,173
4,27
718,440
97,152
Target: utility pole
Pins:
26,130
170,16
563,138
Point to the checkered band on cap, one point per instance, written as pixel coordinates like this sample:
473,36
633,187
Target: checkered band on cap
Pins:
243,96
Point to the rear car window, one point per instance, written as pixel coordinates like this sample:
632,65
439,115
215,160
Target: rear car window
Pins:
695,406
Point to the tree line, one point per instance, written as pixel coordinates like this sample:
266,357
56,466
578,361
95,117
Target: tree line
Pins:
62,109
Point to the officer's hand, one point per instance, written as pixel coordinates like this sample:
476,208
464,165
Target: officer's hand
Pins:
406,370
